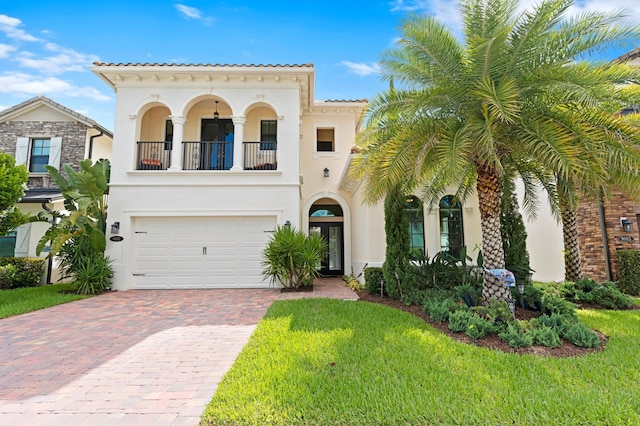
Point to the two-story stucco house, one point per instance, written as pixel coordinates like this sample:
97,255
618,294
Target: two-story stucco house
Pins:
208,159
40,132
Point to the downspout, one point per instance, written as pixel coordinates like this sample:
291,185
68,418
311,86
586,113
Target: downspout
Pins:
91,138
50,260
605,240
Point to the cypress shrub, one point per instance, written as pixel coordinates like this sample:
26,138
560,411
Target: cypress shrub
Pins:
397,233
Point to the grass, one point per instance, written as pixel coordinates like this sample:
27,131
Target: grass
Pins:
330,362
28,299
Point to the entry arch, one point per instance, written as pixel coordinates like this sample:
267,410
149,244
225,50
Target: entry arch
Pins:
334,198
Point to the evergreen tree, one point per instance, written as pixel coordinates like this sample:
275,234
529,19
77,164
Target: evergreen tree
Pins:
514,234
397,233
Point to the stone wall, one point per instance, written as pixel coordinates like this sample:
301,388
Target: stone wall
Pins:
592,250
73,136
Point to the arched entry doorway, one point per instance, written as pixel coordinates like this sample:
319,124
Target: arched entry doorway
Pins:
327,219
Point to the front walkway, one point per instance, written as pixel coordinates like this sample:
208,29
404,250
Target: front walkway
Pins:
137,357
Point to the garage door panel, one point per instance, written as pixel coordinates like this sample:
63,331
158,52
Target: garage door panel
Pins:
169,252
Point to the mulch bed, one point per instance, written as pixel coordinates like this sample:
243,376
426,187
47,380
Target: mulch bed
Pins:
491,341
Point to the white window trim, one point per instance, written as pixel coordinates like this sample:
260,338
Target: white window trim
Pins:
325,154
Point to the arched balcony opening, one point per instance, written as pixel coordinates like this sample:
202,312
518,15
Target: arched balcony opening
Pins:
153,148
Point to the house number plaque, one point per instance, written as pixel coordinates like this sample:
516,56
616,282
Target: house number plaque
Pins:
116,238
625,238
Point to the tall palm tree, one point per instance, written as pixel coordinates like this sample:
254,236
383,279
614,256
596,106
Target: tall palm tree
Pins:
511,93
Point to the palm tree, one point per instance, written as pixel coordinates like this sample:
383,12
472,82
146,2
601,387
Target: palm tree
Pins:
511,94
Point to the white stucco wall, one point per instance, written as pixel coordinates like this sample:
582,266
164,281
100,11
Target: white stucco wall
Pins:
544,241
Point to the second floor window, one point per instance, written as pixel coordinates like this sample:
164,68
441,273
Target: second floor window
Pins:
37,152
268,134
40,149
325,140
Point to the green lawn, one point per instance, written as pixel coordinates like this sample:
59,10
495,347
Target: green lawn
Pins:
22,300
330,362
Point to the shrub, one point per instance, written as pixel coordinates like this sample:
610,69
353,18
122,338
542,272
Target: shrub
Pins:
532,296
586,285
557,322
629,271
292,258
610,297
555,305
372,277
468,293
439,309
478,327
414,296
545,336
515,336
352,282
497,311
21,272
460,319
580,335
397,236
93,276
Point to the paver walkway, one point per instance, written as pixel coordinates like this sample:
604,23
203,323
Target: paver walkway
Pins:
137,357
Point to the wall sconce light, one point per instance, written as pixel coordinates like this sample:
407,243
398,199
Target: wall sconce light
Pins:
216,114
626,224
115,228
287,224
326,172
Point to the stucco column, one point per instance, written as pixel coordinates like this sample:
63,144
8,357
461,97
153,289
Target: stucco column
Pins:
178,134
433,241
238,139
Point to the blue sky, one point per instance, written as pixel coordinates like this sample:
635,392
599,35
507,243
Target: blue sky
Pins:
47,47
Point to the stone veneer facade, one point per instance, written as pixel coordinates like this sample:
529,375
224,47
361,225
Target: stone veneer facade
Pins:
592,250
73,136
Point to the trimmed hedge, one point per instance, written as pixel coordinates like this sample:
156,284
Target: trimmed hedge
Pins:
372,277
629,271
21,272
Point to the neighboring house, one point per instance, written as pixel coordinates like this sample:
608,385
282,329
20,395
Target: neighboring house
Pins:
603,230
208,159
39,132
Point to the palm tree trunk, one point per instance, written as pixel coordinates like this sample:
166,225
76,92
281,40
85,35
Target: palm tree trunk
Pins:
488,187
572,261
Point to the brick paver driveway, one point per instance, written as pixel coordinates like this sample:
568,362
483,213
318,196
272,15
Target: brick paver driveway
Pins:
135,357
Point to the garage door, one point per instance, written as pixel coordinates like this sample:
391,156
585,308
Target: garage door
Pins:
213,252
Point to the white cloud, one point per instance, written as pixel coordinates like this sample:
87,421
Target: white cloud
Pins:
5,49
65,60
26,84
448,11
189,12
9,26
362,69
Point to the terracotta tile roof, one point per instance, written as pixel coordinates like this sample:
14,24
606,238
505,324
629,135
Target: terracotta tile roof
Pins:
44,100
346,101
634,54
148,64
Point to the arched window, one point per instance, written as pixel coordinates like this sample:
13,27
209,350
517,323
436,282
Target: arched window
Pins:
415,218
451,227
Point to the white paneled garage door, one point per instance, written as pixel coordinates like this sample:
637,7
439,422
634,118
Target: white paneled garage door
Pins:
196,252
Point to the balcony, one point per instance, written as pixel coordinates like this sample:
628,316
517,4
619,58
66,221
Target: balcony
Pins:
207,155
154,155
